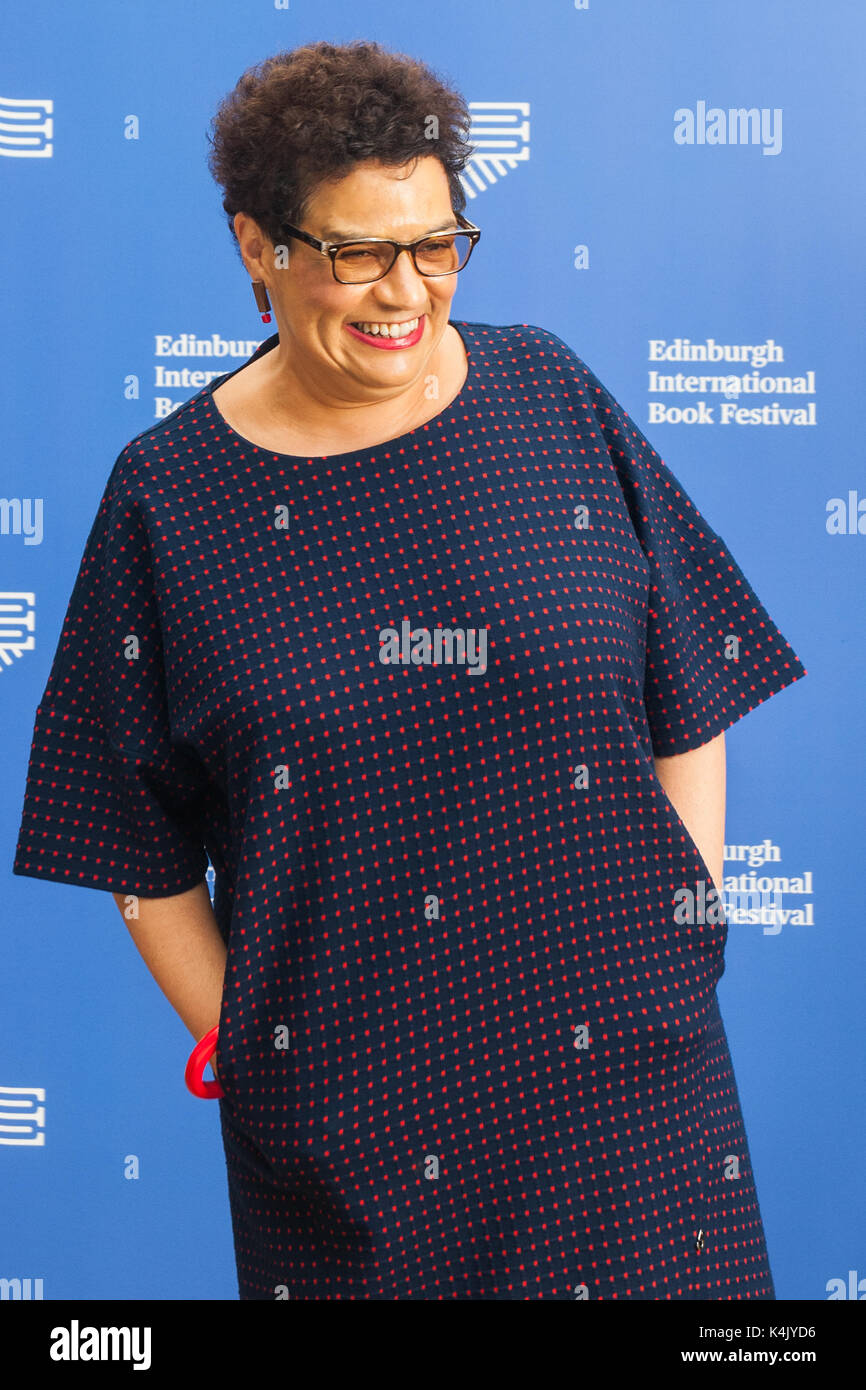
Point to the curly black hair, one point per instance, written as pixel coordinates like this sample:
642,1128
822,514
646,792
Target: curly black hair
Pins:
313,113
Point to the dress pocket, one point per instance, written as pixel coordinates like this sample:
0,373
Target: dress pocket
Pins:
710,900
225,1073
223,1052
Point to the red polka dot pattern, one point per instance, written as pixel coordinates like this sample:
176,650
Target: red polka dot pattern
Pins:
468,1049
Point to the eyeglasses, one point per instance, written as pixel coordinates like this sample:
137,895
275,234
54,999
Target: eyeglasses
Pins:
362,262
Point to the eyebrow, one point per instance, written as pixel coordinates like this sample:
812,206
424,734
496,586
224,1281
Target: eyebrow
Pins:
330,234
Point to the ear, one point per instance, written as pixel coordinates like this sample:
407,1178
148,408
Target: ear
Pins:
255,249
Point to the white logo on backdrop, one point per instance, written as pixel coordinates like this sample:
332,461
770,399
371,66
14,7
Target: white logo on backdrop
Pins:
17,622
499,133
26,127
22,1115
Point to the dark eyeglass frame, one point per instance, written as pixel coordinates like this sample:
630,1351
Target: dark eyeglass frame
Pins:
330,248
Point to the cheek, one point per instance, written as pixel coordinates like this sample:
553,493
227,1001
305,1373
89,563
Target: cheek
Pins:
442,291
312,307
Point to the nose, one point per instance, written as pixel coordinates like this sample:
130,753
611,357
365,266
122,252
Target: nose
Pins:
405,280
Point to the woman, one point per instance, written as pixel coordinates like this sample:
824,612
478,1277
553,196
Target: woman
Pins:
405,625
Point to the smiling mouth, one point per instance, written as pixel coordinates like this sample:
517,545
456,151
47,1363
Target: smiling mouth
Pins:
384,328
392,336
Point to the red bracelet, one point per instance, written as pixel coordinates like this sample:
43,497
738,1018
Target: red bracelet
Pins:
198,1060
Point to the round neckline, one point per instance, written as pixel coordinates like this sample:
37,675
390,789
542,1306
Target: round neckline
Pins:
268,345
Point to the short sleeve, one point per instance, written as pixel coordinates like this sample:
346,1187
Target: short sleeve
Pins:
713,653
112,799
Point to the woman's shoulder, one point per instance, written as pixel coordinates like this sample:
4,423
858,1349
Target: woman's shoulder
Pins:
550,361
532,335
163,449
530,341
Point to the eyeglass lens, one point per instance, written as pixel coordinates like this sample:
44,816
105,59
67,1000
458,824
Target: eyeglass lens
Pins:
362,261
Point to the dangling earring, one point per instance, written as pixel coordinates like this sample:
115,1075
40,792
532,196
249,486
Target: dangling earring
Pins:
262,301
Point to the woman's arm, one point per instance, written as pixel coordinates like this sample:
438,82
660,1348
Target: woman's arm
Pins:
183,950
695,783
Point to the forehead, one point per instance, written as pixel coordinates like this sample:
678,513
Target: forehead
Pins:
359,233
380,200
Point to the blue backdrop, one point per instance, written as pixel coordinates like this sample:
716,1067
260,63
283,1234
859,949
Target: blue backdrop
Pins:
648,178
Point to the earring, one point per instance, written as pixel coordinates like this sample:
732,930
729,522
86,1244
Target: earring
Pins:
262,301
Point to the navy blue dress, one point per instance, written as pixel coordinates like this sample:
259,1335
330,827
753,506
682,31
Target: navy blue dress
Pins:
406,700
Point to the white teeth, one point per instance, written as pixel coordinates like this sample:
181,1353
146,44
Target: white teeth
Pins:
389,330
